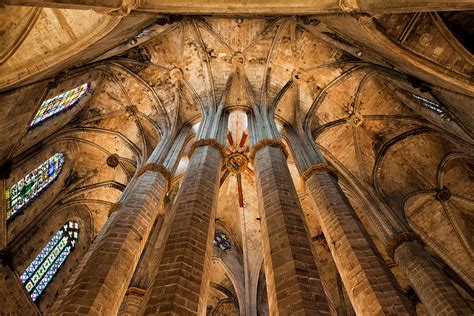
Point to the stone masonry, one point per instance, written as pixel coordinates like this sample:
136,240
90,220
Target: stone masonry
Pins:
430,284
181,282
102,283
370,285
293,282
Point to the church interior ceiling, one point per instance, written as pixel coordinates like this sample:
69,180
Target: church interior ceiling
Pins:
387,99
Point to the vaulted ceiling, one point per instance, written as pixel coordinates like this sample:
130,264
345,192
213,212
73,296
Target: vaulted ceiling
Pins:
323,75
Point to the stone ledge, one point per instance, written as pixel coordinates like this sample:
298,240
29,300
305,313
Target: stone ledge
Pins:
267,142
211,142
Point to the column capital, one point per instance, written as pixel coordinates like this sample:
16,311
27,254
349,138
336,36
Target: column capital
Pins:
349,5
267,142
319,167
399,239
135,291
154,167
123,10
211,142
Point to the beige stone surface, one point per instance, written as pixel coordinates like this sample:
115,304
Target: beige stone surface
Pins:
339,75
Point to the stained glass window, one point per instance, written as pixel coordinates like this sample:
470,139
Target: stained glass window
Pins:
429,104
221,241
433,106
44,267
22,192
142,33
59,103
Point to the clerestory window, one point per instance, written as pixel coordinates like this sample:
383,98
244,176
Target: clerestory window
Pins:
59,103
433,106
45,266
32,184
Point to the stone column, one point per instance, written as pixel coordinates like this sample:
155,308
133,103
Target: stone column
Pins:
293,282
141,279
181,282
362,272
153,251
369,283
434,289
100,286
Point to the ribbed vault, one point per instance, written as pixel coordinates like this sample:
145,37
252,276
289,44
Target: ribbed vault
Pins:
316,78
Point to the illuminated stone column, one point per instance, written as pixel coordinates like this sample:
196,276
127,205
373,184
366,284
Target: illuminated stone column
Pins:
101,285
369,283
142,277
181,282
430,284
153,251
371,287
293,282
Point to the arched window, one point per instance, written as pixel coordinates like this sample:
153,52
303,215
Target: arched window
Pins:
22,192
41,271
59,103
221,241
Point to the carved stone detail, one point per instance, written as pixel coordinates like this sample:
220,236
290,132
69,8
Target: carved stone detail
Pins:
320,167
125,8
135,291
113,160
443,194
349,5
211,142
267,142
154,167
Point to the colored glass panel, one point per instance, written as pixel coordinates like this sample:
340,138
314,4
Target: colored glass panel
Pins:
430,104
59,103
44,267
142,33
22,192
221,241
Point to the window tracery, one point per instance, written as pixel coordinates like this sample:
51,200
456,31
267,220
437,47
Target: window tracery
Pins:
44,267
28,187
59,103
